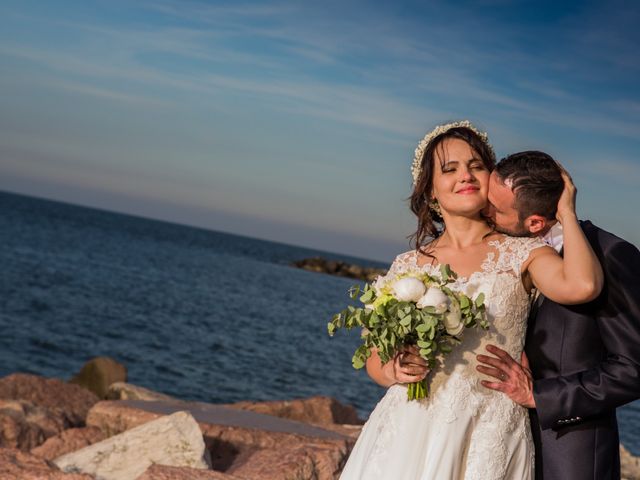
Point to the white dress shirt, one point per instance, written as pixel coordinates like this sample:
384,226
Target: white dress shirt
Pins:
554,237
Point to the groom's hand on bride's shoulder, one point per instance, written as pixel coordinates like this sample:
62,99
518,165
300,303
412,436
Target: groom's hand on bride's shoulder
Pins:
514,379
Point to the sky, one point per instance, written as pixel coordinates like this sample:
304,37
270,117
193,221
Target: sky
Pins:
296,121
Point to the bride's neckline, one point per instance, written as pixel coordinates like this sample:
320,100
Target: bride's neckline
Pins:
486,266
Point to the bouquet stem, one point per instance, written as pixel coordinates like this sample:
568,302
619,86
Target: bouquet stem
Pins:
417,390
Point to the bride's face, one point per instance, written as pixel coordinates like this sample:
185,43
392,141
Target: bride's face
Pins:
460,179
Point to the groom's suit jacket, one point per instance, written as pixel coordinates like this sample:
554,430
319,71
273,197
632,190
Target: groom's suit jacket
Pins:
585,361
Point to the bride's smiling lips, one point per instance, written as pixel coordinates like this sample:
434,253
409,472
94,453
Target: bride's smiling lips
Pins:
468,190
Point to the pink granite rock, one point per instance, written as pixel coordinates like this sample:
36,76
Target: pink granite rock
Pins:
25,426
68,441
314,410
53,394
301,460
114,417
162,472
17,465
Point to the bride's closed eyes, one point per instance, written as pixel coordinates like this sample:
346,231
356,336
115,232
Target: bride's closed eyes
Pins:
474,164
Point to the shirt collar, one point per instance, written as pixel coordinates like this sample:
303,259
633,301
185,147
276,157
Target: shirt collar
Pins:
554,237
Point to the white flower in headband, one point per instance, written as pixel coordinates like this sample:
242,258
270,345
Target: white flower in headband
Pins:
416,167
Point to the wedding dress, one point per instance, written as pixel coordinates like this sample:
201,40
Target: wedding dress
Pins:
462,430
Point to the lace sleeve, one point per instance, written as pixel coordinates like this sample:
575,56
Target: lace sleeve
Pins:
513,252
402,263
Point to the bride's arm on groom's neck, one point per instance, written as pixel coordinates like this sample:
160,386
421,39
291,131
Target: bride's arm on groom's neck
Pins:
576,277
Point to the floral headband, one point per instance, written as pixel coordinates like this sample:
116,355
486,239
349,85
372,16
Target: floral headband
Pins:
416,167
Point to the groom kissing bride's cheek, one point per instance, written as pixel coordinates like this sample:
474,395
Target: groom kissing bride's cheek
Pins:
580,362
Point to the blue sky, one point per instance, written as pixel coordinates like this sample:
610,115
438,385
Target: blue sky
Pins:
297,121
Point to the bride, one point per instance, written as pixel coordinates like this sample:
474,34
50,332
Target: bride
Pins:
463,430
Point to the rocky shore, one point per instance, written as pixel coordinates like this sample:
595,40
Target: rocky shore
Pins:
339,268
99,426
55,430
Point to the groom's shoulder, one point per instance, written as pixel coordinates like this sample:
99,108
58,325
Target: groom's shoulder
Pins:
604,240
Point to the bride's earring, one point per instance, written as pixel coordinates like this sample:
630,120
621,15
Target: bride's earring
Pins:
434,206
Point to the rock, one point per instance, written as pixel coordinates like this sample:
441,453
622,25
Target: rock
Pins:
274,464
173,440
630,465
68,441
114,417
17,465
301,461
339,268
162,472
128,391
24,425
15,432
52,394
98,373
315,410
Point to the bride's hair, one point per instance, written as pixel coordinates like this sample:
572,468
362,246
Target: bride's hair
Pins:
430,224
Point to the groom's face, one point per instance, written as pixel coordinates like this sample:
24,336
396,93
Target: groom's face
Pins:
501,208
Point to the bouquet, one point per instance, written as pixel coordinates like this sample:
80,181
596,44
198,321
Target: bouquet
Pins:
411,308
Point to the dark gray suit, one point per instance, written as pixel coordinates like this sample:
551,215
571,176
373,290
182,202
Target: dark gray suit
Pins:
585,361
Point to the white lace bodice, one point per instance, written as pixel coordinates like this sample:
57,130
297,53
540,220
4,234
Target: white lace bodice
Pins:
506,299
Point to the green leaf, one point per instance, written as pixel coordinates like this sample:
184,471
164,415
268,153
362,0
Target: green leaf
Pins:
331,328
445,272
445,348
464,301
357,362
354,292
480,300
425,352
368,296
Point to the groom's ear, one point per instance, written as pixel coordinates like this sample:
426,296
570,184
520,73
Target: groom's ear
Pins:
535,224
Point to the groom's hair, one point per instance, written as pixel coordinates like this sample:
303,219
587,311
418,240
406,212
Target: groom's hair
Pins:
536,181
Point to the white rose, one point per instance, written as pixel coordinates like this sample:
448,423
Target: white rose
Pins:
453,320
408,289
379,284
434,298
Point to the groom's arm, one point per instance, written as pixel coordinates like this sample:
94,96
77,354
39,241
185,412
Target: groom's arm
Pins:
615,381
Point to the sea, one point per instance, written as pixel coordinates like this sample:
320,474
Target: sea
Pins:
194,313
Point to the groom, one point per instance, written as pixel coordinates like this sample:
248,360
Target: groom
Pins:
582,361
